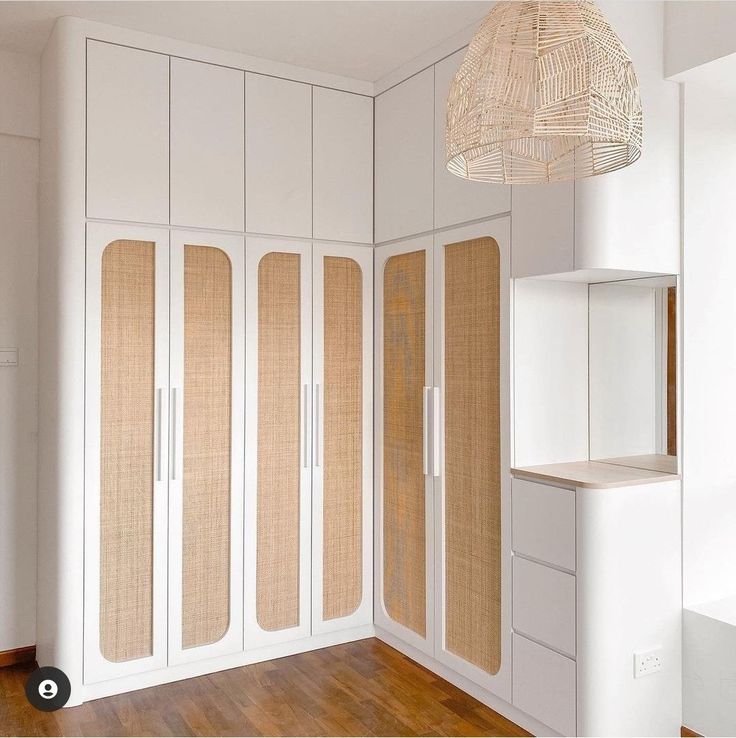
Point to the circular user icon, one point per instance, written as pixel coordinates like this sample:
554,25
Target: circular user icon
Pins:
48,688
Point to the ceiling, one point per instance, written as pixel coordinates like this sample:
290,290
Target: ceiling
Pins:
363,39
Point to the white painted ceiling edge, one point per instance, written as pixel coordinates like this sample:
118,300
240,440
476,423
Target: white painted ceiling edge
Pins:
362,40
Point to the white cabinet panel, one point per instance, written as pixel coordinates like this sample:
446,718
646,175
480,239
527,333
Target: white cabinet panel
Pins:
207,146
544,685
278,156
544,522
343,166
457,200
630,219
544,604
127,134
404,158
543,228
550,371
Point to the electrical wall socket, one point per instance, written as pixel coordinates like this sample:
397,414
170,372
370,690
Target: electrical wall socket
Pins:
647,662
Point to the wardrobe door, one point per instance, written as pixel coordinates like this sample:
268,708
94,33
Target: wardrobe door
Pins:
207,145
206,445
278,156
342,455
473,483
342,155
126,488
278,447
403,417
127,134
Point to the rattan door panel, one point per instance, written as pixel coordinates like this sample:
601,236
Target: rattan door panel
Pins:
279,423
342,455
472,490
278,486
405,548
127,450
207,370
125,420
472,470
207,452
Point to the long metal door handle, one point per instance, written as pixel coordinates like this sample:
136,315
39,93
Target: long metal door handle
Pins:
425,429
159,408
435,431
172,450
306,426
317,429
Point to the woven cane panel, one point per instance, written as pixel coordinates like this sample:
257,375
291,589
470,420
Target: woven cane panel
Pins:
546,92
342,557
404,564
473,453
279,419
207,438
127,450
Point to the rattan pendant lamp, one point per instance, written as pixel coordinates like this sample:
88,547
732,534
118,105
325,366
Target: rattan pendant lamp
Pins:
546,92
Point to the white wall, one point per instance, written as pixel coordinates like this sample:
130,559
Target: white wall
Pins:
19,132
709,343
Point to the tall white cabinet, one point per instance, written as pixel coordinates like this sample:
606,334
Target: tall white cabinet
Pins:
222,411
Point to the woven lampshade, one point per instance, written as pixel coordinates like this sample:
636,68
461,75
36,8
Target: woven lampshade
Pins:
546,92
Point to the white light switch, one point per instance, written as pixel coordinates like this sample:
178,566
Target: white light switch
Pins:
9,357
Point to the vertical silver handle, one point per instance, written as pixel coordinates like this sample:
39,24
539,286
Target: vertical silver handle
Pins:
159,407
306,425
435,431
425,429
172,449
317,430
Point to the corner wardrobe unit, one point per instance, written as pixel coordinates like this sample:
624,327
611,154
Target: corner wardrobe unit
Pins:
443,579
208,438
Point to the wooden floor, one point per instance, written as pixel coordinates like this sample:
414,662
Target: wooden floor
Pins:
364,688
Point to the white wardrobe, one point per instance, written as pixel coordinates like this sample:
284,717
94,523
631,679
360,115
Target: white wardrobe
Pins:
225,395
244,455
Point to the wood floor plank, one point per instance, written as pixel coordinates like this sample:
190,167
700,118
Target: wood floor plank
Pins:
365,688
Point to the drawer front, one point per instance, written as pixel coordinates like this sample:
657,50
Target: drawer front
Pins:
544,522
544,685
544,604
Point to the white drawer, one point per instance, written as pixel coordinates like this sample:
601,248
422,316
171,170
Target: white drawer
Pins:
543,522
544,685
544,604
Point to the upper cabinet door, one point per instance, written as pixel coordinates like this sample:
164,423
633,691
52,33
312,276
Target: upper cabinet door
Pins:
207,145
457,200
404,158
278,154
343,166
127,134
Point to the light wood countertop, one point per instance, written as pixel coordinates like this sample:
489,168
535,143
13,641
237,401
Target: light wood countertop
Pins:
592,474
